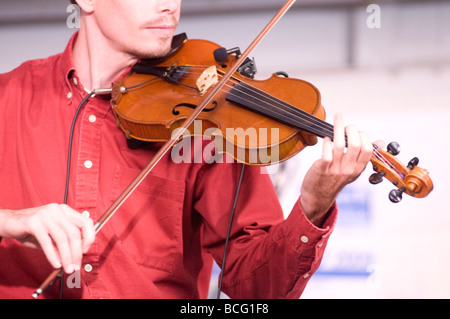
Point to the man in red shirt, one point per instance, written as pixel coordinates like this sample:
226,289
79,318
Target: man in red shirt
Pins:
163,241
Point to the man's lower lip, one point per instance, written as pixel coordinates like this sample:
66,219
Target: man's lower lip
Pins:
161,29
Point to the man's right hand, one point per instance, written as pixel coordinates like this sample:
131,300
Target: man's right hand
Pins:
62,233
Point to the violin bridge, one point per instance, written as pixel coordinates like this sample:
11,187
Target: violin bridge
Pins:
207,79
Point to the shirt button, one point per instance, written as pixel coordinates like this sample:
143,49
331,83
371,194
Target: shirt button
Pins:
86,214
88,268
305,276
75,81
304,239
69,95
88,164
92,118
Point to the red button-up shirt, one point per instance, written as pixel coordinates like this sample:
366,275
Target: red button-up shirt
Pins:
162,241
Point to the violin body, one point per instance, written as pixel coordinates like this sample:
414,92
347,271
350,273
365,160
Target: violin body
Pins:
152,111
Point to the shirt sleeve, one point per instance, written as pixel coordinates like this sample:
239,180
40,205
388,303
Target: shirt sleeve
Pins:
267,256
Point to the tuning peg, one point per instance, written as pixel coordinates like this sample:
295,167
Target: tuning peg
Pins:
413,163
377,178
393,148
396,195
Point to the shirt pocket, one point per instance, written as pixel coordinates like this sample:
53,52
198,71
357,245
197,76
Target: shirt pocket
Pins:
149,223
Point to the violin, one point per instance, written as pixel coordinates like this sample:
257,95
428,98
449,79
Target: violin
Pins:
157,96
164,100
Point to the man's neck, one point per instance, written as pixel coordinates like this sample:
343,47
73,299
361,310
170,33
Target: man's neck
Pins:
97,62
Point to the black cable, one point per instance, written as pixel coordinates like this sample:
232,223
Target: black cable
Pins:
69,160
238,187
69,153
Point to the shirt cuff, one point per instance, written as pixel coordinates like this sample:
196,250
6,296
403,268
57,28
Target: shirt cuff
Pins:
310,233
310,242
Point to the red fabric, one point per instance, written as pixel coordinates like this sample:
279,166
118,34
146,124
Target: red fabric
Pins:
160,243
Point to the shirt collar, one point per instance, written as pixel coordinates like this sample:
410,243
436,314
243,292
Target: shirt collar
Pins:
68,67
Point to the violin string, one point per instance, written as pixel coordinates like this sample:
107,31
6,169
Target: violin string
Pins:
281,106
286,111
290,110
328,128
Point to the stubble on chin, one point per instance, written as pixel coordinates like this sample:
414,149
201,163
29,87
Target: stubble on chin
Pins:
151,52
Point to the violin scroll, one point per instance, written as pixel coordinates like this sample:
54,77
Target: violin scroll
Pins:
411,179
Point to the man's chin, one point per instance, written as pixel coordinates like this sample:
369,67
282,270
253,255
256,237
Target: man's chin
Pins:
153,52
